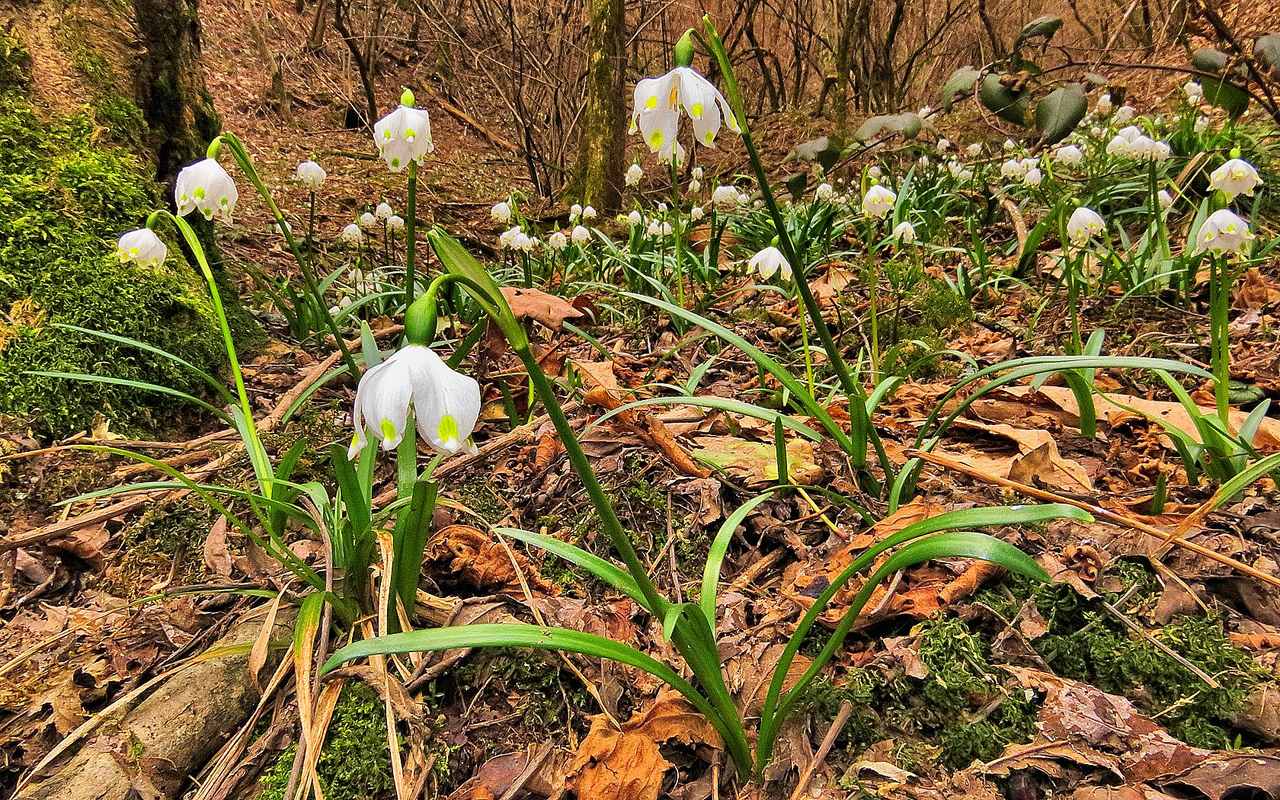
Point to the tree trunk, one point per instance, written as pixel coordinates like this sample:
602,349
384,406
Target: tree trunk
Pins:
598,175
171,90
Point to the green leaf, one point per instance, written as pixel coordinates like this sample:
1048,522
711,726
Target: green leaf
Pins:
143,385
715,556
1002,101
1225,95
1060,111
1267,49
960,83
213,383
1045,26
1209,59
605,570
730,404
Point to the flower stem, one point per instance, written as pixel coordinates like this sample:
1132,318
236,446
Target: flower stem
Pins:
410,235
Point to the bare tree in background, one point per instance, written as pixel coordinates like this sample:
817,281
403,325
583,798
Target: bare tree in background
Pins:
601,146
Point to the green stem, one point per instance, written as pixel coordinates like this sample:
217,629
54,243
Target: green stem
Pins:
1219,343
410,235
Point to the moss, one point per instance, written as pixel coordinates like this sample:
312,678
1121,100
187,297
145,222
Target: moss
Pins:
355,763
15,64
64,197
170,529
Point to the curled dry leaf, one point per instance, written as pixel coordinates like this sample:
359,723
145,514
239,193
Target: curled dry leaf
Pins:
537,305
482,561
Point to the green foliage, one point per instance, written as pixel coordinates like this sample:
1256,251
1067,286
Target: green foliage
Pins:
64,197
355,763
15,63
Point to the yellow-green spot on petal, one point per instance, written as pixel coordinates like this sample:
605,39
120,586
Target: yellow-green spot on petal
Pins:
388,429
651,101
447,429
655,140
199,192
355,440
695,110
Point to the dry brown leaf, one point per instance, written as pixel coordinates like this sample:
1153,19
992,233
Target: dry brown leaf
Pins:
1037,459
537,305
1254,291
756,463
476,558
216,556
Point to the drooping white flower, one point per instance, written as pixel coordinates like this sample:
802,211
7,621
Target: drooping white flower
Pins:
877,202
744,199
206,186
1124,114
501,213
724,196
973,150
770,261
575,212
696,173
1235,177
1009,145
368,221
142,246
1164,199
588,213
923,161
658,102
1194,92
1103,106
1161,151
404,135
673,154
581,235
875,171
1084,224
1201,124
1223,232
635,218
904,232
654,228
557,241
507,239
1096,131
311,175
445,403
1013,169
696,213
943,144
634,174
695,186
351,234
524,242
1033,177
1068,155
395,223
824,192
384,211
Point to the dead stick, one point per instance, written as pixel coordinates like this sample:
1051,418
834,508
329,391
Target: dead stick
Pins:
1097,511
828,741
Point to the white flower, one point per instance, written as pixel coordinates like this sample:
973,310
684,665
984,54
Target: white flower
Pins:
1161,151
875,171
1013,169
404,135
1124,114
557,241
1009,145
445,403
974,150
368,221
1201,124
924,111
524,242
1235,177
695,186
575,212
395,223
311,175
770,261
724,196
1068,155
351,234
588,213
877,202
696,213
658,101
507,238
501,213
635,218
744,199
904,232
1223,232
673,154
654,228
1033,177
824,192
1193,91
206,186
142,246
580,235
1084,224
1103,106
943,144
1096,131
634,174
1164,198
384,211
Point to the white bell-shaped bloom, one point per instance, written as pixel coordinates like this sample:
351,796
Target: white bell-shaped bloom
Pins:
654,228
695,186
943,144
875,171
635,218
1068,155
403,136
904,232
524,242
1193,91
580,235
575,212
384,211
824,192
395,223
351,234
1084,224
1103,106
501,213
1009,145
769,262
589,213
142,246
1223,232
744,199
206,186
368,221
696,213
1164,199
311,175
1234,178
658,102
696,173
634,173
445,403
1033,177
973,150
673,154
724,196
557,241
1201,124
1124,114
1161,151
1013,169
877,202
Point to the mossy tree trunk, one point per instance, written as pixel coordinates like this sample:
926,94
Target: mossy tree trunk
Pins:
597,178
171,89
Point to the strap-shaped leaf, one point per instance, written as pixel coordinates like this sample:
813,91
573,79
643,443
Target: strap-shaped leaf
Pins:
715,556
607,571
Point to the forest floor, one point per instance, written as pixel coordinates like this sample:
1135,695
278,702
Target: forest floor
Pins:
1146,670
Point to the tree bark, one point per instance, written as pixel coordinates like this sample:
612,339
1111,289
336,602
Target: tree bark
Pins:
598,174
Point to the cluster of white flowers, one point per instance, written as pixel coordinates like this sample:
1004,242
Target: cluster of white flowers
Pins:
878,202
1131,142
